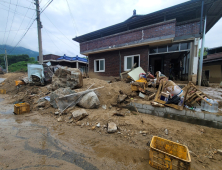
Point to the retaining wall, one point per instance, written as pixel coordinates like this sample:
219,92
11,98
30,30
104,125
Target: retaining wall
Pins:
189,116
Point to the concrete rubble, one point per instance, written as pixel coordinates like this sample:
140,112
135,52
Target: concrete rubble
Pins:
59,93
111,127
89,101
67,77
79,114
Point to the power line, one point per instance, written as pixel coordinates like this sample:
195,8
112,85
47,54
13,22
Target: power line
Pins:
11,23
51,39
59,30
23,36
46,7
18,5
14,12
6,24
72,18
21,23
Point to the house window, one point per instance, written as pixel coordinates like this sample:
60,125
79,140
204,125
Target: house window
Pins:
99,65
207,74
129,61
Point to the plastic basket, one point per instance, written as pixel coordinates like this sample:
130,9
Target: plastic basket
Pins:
165,154
21,108
2,91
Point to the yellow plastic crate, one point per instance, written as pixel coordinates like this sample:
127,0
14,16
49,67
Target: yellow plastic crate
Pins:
134,88
2,91
165,154
21,108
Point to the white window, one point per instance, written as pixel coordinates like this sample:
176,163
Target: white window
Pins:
99,65
129,61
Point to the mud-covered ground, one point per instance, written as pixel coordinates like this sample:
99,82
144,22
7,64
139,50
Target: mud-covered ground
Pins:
37,140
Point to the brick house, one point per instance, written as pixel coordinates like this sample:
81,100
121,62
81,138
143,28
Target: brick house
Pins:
212,65
166,41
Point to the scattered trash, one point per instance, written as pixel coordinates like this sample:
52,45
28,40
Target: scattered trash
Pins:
98,125
104,107
157,104
56,113
2,91
41,104
134,74
36,74
121,98
60,119
111,127
79,114
166,131
93,127
219,151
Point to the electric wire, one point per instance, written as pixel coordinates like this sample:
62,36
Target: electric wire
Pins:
51,39
21,23
11,23
46,7
6,24
74,24
18,5
59,30
13,11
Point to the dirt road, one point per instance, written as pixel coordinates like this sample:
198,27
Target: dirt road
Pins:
38,141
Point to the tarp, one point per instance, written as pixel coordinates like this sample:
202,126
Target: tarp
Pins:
77,58
37,70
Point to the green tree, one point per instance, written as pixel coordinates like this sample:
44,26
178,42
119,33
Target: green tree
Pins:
21,66
205,51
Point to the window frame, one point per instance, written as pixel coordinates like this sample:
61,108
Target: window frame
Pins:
99,65
125,61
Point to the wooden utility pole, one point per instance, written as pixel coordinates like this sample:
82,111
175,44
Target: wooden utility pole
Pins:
39,27
6,61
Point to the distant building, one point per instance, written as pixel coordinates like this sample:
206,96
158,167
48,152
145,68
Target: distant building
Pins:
73,62
212,65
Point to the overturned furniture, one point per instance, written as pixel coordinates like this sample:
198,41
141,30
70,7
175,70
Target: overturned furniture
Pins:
194,95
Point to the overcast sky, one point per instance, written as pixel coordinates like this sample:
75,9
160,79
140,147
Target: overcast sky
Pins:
60,26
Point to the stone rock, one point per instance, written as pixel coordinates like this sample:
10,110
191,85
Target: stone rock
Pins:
41,104
67,77
121,98
60,119
89,101
79,114
111,127
59,93
93,127
98,125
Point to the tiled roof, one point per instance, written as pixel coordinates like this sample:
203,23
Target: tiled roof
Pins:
213,57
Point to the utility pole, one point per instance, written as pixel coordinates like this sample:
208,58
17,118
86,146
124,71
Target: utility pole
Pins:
6,61
202,53
39,27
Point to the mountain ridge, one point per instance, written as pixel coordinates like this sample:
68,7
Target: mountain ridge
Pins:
18,51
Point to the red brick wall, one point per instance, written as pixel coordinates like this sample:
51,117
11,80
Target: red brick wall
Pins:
153,31
187,29
112,60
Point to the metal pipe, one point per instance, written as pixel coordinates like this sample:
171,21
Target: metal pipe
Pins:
201,18
202,52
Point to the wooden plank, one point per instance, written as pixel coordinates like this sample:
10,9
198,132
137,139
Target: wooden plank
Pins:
170,105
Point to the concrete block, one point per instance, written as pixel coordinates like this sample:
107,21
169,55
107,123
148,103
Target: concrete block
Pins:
148,106
189,113
219,125
141,110
199,115
160,109
138,105
174,111
161,114
148,111
218,118
155,113
210,117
